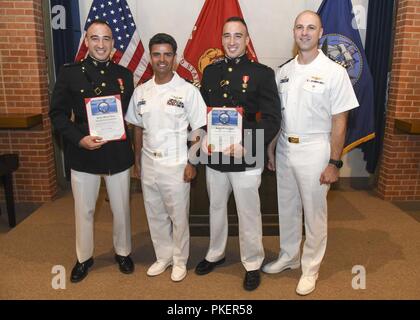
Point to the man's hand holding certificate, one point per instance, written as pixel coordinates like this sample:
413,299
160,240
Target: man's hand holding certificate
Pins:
105,117
224,130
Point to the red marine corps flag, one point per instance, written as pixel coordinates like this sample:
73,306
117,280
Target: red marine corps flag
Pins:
205,43
129,51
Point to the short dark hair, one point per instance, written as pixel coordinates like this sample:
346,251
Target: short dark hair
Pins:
99,21
237,19
163,38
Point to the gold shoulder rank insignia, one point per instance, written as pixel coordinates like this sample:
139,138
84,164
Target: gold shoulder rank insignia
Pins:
194,83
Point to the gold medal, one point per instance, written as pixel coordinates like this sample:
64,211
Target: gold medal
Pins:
121,83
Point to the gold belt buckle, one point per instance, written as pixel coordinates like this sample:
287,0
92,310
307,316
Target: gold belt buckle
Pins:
293,139
157,154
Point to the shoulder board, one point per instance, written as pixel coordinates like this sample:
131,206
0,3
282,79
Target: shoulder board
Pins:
116,65
143,82
218,60
286,62
194,83
260,65
340,63
72,64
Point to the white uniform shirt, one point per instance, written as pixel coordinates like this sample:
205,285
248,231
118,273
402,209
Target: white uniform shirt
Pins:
164,112
310,94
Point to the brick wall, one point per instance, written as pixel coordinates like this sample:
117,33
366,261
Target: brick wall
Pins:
23,89
399,178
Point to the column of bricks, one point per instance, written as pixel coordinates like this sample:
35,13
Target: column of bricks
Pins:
24,89
399,177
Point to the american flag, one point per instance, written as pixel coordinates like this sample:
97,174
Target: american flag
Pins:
128,49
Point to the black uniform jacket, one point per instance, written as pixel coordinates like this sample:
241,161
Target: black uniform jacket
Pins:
242,82
75,83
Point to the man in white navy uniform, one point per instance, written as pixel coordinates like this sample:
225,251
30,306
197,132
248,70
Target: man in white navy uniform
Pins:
316,94
161,110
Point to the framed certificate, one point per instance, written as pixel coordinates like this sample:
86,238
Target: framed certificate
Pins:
105,117
224,127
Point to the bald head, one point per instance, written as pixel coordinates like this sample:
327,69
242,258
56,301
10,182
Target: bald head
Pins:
307,31
307,13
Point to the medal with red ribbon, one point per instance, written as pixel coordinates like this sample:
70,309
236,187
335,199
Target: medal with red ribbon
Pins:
245,80
121,83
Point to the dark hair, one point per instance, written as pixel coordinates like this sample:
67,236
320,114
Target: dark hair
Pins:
99,21
237,19
163,38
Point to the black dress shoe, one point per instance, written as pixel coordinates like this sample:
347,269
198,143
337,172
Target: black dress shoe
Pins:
80,270
205,266
125,263
252,280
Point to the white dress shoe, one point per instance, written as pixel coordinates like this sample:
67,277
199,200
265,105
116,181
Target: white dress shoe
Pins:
279,265
158,267
178,273
306,285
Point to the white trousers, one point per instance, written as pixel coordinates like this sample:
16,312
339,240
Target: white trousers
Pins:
167,201
85,188
299,167
245,187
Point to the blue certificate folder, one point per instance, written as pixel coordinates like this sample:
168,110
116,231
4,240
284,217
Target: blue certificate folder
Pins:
224,118
104,106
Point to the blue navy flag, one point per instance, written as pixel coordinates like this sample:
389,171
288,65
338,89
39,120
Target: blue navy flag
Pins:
65,25
342,43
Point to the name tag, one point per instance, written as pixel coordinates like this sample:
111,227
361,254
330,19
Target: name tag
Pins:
139,105
315,81
141,102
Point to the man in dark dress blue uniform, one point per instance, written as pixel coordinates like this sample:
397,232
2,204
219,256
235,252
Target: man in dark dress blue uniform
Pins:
231,82
90,157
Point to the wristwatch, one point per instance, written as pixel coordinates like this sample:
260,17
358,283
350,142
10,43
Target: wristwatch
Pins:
337,163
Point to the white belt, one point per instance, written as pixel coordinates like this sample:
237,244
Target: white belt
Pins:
299,138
